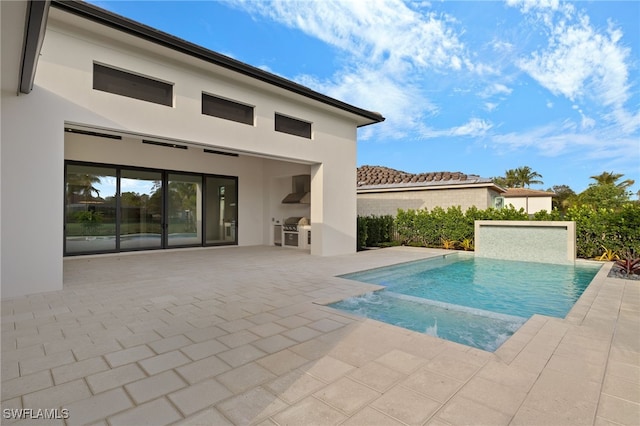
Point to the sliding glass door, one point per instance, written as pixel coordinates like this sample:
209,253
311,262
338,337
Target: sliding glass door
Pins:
184,210
141,201
90,208
117,208
222,210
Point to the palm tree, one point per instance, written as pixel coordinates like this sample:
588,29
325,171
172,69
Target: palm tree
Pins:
511,178
525,177
610,178
81,184
518,178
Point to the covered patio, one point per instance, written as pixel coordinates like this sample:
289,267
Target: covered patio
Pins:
239,335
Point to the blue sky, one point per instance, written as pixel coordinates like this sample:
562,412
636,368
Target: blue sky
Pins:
472,86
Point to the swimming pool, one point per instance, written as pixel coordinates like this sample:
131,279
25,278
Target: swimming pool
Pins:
475,301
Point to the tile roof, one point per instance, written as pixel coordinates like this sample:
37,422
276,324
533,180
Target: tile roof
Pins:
379,176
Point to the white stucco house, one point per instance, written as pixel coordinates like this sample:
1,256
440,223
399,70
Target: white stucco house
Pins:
119,137
531,200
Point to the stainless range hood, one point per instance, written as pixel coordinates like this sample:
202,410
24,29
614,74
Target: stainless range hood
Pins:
301,190
297,198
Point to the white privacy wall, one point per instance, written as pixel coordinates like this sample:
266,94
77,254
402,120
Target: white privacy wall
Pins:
34,149
531,241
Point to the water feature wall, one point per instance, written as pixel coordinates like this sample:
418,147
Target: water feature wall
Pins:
532,241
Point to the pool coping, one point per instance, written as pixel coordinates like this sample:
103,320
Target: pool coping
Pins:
523,336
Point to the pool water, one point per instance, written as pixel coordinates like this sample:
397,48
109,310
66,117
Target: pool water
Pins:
474,301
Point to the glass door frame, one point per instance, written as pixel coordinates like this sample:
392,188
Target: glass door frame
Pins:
206,223
167,210
164,209
66,212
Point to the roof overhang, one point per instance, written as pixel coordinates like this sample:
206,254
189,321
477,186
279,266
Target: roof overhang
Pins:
527,193
550,194
432,186
35,26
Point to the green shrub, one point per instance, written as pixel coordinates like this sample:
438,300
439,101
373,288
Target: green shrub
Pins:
362,233
374,230
90,220
626,223
430,228
615,229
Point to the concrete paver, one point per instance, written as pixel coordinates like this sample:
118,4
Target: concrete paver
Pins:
347,395
116,377
406,405
155,413
240,336
152,387
310,411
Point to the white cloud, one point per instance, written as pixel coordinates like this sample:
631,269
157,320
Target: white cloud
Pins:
587,122
474,127
402,104
610,147
490,106
389,47
375,30
580,62
528,5
502,46
495,89
543,10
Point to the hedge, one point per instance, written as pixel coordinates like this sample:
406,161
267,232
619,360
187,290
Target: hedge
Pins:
375,230
601,229
596,229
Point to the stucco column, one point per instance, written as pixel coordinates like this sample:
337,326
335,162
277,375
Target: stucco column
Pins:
333,201
32,193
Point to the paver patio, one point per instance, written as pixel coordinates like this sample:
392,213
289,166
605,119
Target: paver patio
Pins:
240,336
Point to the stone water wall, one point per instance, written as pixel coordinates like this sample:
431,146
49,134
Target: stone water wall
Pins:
539,241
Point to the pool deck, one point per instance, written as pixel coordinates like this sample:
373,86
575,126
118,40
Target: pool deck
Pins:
240,336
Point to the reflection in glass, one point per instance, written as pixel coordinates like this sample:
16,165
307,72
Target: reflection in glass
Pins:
90,208
184,207
114,208
140,209
222,210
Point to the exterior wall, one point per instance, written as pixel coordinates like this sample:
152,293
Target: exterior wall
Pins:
536,241
336,224
388,203
33,147
32,194
530,205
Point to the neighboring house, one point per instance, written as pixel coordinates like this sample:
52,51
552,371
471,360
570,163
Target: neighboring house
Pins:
119,137
382,191
531,200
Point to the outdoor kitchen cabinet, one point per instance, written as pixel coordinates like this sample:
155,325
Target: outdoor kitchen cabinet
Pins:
277,235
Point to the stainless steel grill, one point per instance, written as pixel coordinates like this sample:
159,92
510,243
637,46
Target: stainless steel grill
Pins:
291,224
296,232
